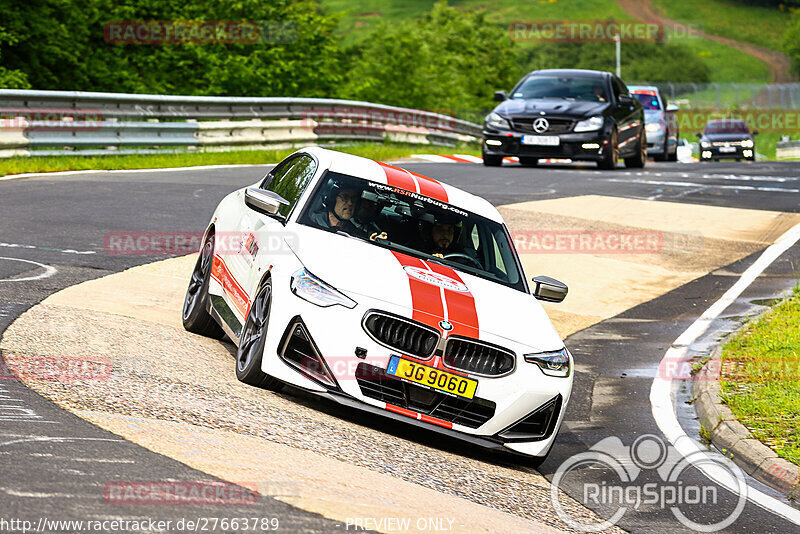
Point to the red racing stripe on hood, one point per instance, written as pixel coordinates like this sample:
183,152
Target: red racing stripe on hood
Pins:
426,300
461,309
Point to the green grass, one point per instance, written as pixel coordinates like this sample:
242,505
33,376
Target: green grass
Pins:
758,25
726,64
382,152
761,378
363,16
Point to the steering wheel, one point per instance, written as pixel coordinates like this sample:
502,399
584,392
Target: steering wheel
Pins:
461,255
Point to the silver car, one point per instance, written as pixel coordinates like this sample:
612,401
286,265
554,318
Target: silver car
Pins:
660,123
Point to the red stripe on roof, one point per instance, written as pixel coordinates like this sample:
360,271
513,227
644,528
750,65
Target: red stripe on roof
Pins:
397,177
411,181
430,187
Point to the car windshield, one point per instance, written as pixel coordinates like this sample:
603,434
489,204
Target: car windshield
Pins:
562,87
726,127
648,99
413,224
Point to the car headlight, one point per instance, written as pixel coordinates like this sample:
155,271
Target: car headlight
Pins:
747,143
705,144
552,363
308,287
654,127
493,120
590,124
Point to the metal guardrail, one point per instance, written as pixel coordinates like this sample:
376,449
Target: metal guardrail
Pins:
787,150
68,122
705,96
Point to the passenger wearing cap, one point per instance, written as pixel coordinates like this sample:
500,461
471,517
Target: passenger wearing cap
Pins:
367,213
338,210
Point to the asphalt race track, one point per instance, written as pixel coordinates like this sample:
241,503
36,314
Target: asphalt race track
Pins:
56,465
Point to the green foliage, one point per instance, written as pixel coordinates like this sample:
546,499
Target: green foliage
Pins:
61,46
791,41
653,62
446,61
10,79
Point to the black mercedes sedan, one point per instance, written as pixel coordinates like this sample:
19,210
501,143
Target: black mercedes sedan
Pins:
581,115
727,138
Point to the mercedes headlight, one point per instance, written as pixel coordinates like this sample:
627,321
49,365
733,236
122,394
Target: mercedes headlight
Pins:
308,287
589,125
654,127
552,363
493,120
747,143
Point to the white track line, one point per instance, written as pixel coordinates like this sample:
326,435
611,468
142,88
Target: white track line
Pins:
661,391
433,158
707,186
126,171
48,271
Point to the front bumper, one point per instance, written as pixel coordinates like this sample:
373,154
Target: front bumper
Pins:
499,403
655,143
571,146
737,152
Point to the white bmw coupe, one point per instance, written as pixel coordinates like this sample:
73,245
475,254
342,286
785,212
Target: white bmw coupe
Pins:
386,291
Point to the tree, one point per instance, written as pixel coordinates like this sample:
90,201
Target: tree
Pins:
450,61
10,79
62,46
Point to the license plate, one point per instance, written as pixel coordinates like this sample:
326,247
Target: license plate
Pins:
432,378
727,149
542,140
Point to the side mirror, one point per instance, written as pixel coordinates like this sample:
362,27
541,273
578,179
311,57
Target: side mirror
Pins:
625,99
264,201
672,107
698,135
500,96
549,289
755,132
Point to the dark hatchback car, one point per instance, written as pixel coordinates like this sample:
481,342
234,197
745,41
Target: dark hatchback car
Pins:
727,138
582,115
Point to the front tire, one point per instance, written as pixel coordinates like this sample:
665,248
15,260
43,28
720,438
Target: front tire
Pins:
253,340
611,153
196,318
492,161
674,155
638,160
